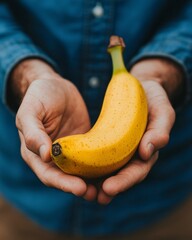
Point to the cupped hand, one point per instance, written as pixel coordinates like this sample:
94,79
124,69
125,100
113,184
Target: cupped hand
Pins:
51,108
161,117
160,122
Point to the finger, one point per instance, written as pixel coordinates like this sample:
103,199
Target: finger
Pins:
33,131
103,198
161,120
132,174
91,193
51,175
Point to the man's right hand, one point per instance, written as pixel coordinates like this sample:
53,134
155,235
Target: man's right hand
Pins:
51,107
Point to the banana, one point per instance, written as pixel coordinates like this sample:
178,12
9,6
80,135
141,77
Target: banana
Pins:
114,138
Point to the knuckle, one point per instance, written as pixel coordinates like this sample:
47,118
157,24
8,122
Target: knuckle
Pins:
172,114
17,121
29,140
23,153
164,139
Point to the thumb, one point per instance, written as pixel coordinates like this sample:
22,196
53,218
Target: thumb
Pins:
161,120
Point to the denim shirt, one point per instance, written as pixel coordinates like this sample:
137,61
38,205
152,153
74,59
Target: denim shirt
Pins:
72,36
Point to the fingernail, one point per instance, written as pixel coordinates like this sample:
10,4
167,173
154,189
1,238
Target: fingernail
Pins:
151,149
42,151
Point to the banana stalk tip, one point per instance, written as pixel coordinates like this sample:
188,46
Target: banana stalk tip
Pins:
116,41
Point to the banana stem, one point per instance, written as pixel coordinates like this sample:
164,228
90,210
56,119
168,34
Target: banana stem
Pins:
117,59
115,48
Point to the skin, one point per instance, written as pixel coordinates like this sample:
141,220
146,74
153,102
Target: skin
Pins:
51,107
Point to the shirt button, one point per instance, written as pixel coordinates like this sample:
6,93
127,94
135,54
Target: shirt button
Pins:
94,82
98,10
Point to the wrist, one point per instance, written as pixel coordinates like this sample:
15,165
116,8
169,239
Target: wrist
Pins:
22,76
164,71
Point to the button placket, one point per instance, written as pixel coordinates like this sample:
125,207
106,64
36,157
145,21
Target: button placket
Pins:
96,63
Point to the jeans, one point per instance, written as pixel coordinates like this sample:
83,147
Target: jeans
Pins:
177,226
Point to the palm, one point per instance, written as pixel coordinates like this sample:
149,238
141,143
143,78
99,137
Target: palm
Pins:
59,107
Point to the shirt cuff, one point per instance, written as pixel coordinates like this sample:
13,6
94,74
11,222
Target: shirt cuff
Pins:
177,52
11,53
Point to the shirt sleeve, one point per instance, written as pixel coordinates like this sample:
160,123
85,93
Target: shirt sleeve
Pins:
173,41
15,46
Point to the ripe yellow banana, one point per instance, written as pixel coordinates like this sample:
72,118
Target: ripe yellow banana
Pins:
114,138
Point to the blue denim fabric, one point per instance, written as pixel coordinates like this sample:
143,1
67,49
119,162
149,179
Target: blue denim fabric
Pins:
71,37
